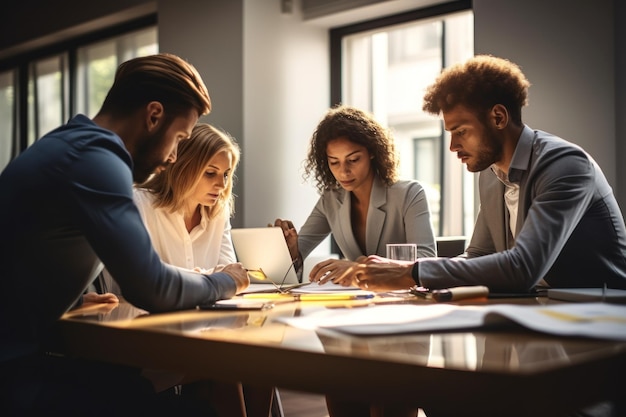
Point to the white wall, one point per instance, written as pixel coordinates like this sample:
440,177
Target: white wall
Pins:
268,77
566,51
286,92
209,34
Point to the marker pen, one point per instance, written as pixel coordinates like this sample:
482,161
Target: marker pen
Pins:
460,293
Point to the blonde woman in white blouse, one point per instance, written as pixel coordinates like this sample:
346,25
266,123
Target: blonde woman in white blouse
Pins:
187,208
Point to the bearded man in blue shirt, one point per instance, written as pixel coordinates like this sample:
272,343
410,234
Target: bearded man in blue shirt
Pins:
67,209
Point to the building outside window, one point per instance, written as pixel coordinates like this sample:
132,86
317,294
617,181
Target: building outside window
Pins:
385,69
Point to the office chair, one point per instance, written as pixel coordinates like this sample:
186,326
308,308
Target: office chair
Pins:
450,246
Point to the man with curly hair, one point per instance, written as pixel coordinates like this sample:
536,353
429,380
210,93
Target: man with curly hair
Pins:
547,213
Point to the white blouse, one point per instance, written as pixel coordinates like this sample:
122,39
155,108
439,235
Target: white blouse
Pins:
209,244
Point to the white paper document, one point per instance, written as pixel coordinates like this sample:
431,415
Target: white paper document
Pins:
594,320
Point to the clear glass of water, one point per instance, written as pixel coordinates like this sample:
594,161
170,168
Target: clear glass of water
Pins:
402,251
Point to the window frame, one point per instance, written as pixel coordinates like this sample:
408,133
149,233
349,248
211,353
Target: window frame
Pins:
337,35
21,62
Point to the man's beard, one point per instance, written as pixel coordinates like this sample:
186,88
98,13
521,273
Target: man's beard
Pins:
489,152
141,176
147,158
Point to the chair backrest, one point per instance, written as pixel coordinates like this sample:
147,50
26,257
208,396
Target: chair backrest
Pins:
450,246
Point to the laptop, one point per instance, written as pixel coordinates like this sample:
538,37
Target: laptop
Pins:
265,248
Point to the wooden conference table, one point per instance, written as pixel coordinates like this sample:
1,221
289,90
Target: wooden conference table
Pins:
512,372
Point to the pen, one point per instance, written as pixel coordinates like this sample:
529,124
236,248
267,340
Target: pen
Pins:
419,291
309,297
460,293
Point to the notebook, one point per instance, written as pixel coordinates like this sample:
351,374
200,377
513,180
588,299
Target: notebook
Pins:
264,248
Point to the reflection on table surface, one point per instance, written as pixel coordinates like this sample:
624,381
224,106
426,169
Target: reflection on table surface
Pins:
484,371
517,351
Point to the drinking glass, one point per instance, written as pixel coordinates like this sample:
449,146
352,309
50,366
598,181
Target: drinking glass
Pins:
402,251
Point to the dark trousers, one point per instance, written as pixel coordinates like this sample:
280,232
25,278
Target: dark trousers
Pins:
43,384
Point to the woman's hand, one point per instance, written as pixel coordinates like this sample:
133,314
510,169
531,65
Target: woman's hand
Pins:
335,270
291,237
372,273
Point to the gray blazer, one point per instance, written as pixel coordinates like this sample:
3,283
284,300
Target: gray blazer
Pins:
569,231
397,214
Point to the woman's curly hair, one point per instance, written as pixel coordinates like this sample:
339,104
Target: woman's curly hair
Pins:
359,127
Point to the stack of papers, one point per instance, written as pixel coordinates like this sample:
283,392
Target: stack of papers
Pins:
593,320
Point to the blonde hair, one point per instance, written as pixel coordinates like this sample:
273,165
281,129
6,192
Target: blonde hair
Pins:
173,185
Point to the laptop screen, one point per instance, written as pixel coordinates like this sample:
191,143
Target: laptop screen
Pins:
264,248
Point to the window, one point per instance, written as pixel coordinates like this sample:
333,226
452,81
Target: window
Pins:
64,80
7,117
48,93
384,66
97,64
